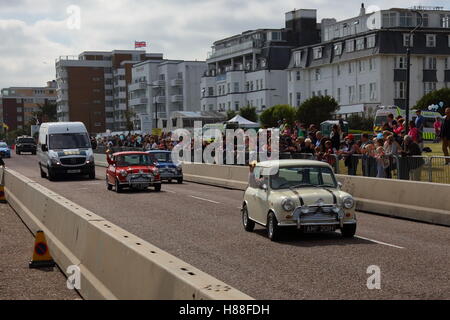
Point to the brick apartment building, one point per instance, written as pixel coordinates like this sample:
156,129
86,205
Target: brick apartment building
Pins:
93,87
17,104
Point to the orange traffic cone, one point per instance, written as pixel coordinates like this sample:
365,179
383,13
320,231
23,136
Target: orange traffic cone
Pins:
41,254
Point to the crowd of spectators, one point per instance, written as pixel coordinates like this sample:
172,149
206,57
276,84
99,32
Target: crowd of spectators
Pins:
392,150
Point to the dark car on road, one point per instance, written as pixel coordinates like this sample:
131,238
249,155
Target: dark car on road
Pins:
26,144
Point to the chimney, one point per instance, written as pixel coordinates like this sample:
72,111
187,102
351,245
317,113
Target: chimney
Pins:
362,12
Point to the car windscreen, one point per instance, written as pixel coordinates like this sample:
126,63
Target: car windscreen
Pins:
26,140
162,156
299,177
3,145
69,141
134,160
380,120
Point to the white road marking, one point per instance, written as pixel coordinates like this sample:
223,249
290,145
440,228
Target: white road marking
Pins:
205,200
169,191
379,242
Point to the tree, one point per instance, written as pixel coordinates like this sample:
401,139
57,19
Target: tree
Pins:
435,98
357,122
46,113
317,110
270,117
129,116
249,113
231,114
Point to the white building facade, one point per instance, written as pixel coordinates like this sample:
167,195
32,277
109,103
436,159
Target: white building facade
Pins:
249,69
362,63
160,88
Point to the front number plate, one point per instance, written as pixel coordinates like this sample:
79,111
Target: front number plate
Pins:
315,229
73,171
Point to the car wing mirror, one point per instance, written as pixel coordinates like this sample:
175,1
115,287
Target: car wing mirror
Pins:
340,185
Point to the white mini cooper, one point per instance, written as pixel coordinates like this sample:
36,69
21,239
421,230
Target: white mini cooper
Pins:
297,193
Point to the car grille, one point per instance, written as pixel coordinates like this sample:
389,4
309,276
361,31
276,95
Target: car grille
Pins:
73,161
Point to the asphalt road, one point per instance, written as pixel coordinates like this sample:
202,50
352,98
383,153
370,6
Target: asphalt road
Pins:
202,226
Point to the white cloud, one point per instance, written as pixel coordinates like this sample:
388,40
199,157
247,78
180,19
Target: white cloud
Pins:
34,33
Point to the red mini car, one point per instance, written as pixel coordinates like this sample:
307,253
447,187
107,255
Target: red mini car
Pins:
136,170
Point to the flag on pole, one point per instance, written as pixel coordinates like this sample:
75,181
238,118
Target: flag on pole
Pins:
5,126
140,44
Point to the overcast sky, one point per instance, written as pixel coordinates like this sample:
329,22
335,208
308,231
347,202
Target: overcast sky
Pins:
33,33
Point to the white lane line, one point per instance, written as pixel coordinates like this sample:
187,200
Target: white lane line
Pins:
379,242
205,200
169,191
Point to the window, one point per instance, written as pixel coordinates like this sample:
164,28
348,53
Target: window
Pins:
449,41
431,40
406,19
361,65
228,87
351,94
298,76
371,64
210,91
299,99
445,21
290,98
350,67
276,36
425,20
429,87
313,93
337,49
389,19
362,92
373,91
400,62
400,90
297,59
406,42
317,53
429,63
447,63
360,44
317,74
262,84
338,70
350,45
339,95
371,42
290,75
319,93
236,105
236,87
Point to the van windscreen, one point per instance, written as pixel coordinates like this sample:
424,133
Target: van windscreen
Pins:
69,141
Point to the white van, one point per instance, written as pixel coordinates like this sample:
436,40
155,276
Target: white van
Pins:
65,148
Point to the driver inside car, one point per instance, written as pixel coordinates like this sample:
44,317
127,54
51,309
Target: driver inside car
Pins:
278,181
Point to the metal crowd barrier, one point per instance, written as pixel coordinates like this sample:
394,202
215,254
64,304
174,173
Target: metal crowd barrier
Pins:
418,168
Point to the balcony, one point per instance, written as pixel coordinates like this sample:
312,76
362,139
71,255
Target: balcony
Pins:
176,82
159,83
242,48
137,86
138,101
159,99
176,98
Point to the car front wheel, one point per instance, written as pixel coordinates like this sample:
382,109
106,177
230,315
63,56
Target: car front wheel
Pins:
108,185
118,187
273,231
157,187
349,230
249,225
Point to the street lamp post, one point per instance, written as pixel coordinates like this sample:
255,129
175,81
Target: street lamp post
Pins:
408,69
156,101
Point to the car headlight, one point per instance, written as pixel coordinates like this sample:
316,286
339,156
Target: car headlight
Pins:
123,173
348,202
288,204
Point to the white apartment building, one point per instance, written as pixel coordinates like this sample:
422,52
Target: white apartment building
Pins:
362,60
160,88
248,69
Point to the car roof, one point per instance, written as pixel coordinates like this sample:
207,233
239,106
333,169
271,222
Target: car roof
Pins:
129,153
292,163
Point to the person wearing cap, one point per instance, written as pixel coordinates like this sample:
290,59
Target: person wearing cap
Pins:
351,161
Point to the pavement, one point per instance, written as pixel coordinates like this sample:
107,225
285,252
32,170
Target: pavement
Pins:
17,281
202,226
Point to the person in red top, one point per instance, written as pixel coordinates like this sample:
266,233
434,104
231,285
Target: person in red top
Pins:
413,132
437,128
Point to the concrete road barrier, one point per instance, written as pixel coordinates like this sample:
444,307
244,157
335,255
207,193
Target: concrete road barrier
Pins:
419,201
114,263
